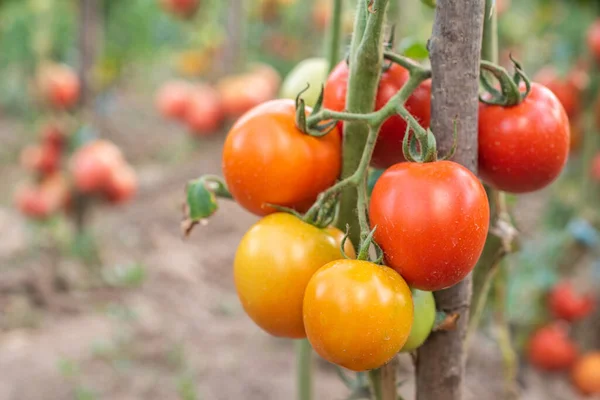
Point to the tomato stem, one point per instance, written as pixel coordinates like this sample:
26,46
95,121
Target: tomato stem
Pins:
376,384
304,369
335,34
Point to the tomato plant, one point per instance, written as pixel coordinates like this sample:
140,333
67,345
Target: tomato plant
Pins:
565,303
388,149
524,147
93,164
550,348
586,373
424,305
432,221
268,160
311,73
357,314
273,264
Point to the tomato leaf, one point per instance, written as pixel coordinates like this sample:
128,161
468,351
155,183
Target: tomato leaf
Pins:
414,48
201,203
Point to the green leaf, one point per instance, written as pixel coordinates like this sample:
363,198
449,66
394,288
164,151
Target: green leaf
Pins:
201,201
414,48
430,3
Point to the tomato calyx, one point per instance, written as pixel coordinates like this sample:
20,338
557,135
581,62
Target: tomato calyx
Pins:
420,145
510,93
316,130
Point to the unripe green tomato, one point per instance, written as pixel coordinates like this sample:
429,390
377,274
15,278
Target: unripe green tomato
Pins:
312,71
424,319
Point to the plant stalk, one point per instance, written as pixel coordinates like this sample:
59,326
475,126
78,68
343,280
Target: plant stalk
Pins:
304,369
335,34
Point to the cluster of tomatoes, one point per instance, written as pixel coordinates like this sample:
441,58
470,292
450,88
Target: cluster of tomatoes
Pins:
431,219
204,108
551,349
180,8
97,167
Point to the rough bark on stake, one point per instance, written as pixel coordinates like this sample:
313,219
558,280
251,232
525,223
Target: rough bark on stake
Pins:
455,53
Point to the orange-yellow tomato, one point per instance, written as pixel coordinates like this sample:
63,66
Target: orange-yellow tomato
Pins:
268,160
273,264
357,314
339,237
586,373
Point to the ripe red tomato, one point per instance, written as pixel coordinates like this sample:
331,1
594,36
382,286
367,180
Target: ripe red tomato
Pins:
388,149
567,93
44,159
586,373
172,99
59,85
525,147
40,200
240,93
273,264
93,164
593,39
595,170
204,111
181,8
432,220
266,159
550,348
122,184
357,314
53,135
565,303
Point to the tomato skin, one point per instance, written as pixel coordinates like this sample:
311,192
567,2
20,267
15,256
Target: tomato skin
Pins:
40,200
550,349
586,373
525,147
122,184
593,39
93,164
180,8
567,93
565,303
204,113
339,237
312,71
266,159
424,304
273,264
357,314
59,85
388,149
44,158
172,99
432,220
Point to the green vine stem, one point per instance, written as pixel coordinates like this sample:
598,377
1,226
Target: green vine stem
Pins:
335,34
304,369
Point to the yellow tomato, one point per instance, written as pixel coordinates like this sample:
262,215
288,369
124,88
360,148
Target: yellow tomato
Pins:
357,314
273,264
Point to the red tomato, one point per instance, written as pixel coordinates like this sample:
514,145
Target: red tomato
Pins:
586,373
388,149
565,303
93,164
567,93
596,168
204,112
432,221
593,39
59,85
266,159
240,93
122,184
550,348
53,135
44,159
525,147
39,201
181,8
172,99
502,6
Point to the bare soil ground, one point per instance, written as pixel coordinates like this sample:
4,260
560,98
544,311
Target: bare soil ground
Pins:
182,334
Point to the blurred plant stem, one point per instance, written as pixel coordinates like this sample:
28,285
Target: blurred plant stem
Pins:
304,369
335,34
